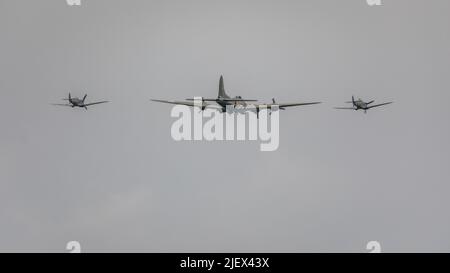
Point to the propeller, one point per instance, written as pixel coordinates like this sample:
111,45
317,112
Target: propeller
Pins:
68,98
274,102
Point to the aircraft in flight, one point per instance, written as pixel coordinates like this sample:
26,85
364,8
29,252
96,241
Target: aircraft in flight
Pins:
223,100
360,104
76,102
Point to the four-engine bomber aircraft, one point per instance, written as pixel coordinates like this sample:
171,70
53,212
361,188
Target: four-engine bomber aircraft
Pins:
237,102
76,102
360,104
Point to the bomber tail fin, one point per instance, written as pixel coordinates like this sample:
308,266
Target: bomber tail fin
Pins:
222,93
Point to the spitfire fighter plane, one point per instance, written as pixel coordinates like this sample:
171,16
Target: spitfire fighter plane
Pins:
360,104
76,102
223,100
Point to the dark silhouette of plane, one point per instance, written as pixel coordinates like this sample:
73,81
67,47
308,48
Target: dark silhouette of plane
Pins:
76,102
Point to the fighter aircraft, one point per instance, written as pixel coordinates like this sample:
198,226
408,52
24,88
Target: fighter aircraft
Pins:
223,99
76,102
360,104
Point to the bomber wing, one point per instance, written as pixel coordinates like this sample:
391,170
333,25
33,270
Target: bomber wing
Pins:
188,103
226,99
282,106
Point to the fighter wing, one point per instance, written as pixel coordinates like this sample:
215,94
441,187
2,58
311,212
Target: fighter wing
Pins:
377,105
93,103
345,108
188,103
62,104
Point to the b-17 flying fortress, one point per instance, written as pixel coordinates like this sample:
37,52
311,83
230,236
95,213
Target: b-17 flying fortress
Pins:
224,100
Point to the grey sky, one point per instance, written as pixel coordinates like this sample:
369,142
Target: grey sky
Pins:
113,178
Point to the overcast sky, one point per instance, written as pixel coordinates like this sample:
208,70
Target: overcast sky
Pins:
113,179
